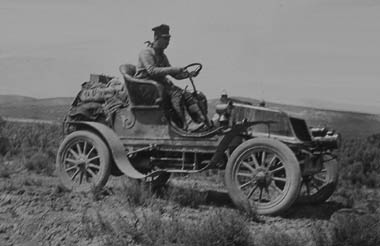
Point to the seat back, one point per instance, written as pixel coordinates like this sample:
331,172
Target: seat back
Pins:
141,92
127,70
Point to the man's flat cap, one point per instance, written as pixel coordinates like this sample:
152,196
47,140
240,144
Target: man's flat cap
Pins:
161,31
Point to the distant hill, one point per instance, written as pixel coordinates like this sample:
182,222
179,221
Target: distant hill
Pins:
22,100
11,99
33,108
350,124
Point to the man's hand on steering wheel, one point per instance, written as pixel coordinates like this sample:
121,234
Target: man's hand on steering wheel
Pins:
196,68
186,74
192,74
190,71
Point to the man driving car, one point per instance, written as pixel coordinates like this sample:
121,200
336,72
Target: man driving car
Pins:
153,64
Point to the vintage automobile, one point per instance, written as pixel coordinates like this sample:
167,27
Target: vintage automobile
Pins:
270,158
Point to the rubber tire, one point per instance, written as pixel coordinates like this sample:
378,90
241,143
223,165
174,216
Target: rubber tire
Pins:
292,170
105,161
326,192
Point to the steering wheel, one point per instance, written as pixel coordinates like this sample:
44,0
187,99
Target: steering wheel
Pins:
193,69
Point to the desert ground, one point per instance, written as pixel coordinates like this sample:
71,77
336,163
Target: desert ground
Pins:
36,210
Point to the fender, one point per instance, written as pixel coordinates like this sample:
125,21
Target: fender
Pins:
230,134
115,146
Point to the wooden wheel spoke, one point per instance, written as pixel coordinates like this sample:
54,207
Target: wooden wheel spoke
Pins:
248,166
261,194
92,174
71,168
91,165
81,177
75,174
71,161
271,162
90,151
253,190
246,184
248,175
319,179
254,160
84,147
75,154
279,179
78,148
93,158
263,158
277,169
276,188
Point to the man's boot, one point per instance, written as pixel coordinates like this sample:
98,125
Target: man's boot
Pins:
198,119
193,126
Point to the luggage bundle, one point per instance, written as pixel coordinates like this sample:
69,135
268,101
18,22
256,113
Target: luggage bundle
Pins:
102,87
98,100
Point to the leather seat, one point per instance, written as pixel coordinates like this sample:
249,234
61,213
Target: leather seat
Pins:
141,92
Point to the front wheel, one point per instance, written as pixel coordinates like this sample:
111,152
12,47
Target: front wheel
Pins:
263,174
319,187
83,161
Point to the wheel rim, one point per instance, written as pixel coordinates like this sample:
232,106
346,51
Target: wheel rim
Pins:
81,163
261,175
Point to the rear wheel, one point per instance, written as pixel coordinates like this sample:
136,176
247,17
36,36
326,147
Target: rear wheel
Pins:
318,187
263,174
83,161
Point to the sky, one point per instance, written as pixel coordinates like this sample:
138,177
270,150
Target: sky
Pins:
319,53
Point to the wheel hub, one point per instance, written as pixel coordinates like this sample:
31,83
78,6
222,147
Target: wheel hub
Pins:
263,178
82,162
